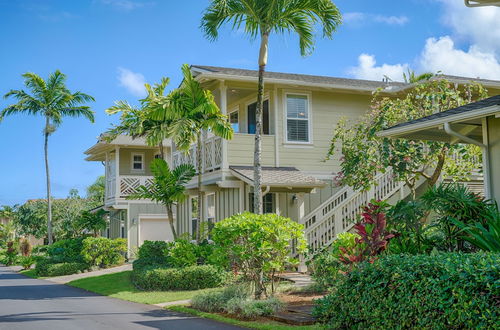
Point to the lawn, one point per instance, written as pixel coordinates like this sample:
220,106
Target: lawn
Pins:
30,273
119,285
262,325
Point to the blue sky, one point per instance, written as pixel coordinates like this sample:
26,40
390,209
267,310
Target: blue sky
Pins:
108,48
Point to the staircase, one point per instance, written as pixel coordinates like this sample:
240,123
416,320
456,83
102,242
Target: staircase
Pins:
336,214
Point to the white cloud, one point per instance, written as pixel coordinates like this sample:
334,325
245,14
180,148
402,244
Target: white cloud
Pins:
367,69
441,55
358,18
132,81
126,5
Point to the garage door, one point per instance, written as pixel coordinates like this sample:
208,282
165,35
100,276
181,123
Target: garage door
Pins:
155,229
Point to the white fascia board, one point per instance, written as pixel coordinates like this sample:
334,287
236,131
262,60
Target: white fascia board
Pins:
475,114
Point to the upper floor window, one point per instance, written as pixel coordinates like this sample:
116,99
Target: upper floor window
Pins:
297,118
137,162
234,121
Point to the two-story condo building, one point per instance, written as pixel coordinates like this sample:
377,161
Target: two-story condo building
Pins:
299,114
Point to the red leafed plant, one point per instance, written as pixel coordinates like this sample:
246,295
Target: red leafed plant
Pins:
373,235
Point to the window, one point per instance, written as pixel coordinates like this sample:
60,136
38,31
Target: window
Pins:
138,162
267,203
194,216
122,231
297,118
251,109
210,211
157,156
234,121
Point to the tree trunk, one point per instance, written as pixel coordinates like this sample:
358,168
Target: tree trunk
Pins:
199,165
162,154
439,168
257,174
170,214
47,175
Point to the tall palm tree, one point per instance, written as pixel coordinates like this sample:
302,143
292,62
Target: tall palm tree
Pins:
411,77
261,18
194,110
167,187
52,100
149,121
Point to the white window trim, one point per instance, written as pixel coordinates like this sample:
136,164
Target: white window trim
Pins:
206,206
309,118
237,110
143,162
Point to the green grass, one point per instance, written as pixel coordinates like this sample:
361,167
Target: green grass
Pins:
119,285
30,273
267,325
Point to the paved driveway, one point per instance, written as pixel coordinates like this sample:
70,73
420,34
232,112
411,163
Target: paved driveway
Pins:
27,303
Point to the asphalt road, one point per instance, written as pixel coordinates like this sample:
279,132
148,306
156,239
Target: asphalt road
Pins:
27,303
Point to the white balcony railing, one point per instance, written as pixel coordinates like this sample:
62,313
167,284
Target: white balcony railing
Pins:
211,154
127,185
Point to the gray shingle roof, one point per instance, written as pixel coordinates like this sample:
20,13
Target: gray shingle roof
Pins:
491,101
279,176
354,83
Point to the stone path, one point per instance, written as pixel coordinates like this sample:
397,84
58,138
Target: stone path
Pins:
68,278
299,279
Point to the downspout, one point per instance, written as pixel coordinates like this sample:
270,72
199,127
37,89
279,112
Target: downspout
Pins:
486,158
264,193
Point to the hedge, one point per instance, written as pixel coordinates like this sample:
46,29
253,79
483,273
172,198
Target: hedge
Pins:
47,268
449,290
188,278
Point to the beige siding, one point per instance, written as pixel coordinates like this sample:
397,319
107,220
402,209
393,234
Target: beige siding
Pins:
116,218
126,161
241,150
227,203
133,216
494,155
183,217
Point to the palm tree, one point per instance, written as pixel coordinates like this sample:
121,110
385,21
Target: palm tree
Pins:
53,100
194,110
8,229
167,187
262,18
149,121
411,77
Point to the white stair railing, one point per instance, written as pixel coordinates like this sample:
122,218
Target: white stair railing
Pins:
336,215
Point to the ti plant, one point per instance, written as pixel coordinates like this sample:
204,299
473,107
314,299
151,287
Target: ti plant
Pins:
373,235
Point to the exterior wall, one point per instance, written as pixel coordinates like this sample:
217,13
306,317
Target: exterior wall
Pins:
116,218
126,160
134,210
241,150
494,155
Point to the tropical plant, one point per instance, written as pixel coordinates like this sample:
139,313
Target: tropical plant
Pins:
261,18
92,221
52,100
258,246
411,77
195,112
25,247
484,236
168,187
151,121
96,191
11,253
104,252
364,154
373,236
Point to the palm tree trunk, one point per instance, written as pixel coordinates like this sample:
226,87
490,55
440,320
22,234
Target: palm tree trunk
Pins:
199,165
170,214
160,146
257,174
47,174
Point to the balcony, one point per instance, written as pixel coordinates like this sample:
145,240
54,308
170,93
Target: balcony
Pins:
211,155
126,185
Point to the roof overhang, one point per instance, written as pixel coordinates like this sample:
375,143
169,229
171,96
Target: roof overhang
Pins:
98,150
468,123
481,3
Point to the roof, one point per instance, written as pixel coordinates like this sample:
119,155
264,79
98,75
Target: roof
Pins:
277,177
97,151
325,81
468,114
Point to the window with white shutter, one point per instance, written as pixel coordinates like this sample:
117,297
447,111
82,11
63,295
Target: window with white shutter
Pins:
297,118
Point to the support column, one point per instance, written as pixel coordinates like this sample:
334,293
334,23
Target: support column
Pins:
493,140
223,108
117,173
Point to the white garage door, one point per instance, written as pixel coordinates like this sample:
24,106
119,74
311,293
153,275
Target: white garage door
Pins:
155,229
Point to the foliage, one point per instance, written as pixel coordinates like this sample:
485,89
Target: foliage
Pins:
11,253
47,268
455,202
31,218
25,247
96,191
373,236
183,253
168,186
188,278
93,222
326,265
251,309
217,300
364,154
7,230
68,250
404,220
104,252
27,261
258,245
52,100
156,252
441,291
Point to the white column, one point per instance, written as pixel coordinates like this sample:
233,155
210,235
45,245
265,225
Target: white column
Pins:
276,130
223,108
117,173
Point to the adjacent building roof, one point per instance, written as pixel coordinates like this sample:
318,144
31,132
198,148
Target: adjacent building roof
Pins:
277,177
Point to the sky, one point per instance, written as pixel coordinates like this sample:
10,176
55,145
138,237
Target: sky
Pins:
109,48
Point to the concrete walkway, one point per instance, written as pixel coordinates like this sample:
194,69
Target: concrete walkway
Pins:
27,303
300,280
68,278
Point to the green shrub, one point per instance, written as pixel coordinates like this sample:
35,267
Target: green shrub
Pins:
188,278
11,254
251,309
183,253
441,291
27,261
104,252
216,301
153,250
66,250
47,267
